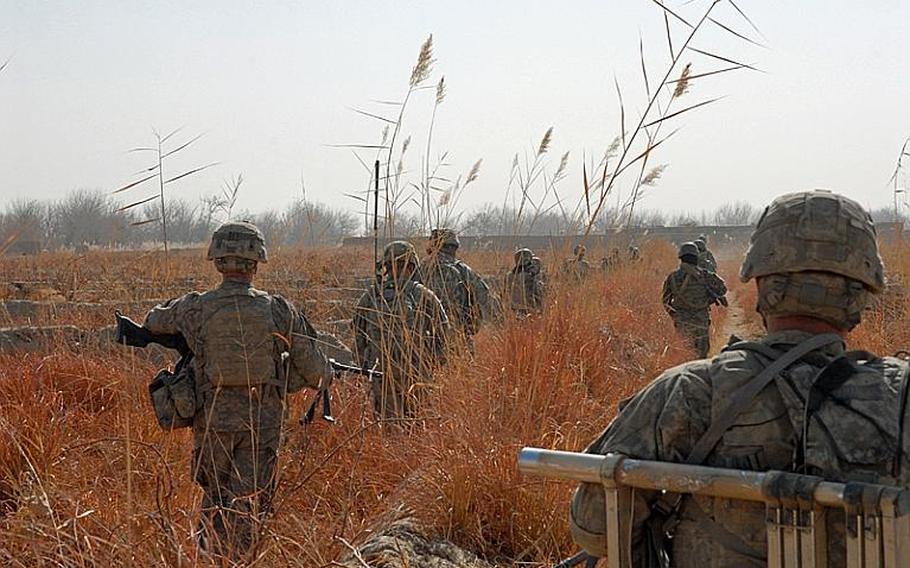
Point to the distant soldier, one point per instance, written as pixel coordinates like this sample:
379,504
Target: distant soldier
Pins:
577,267
634,253
524,283
611,261
251,349
465,296
400,329
688,294
706,260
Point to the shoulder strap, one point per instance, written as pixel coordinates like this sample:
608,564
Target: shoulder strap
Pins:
754,346
742,397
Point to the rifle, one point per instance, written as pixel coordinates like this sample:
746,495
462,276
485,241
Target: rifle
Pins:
132,334
324,396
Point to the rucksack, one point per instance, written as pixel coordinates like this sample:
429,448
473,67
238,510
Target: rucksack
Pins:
238,337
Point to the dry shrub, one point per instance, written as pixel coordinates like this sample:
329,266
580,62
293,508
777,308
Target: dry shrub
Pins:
87,477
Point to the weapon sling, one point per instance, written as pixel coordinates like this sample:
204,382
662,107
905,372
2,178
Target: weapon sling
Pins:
740,399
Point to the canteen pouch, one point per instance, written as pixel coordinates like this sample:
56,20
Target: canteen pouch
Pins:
173,396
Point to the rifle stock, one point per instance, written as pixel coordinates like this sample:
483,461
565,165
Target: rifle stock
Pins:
132,334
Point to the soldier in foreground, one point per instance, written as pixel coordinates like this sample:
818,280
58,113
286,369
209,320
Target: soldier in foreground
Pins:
467,299
577,267
251,350
706,260
400,329
813,409
524,283
688,294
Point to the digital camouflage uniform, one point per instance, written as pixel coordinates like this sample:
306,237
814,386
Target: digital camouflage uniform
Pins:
706,260
237,430
577,267
830,414
400,328
524,284
466,297
688,294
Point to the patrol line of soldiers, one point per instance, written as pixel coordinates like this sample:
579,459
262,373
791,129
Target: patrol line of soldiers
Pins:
251,349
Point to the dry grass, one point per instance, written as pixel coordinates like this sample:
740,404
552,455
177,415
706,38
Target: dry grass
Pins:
87,478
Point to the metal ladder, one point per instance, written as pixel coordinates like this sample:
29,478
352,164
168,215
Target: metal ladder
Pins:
878,516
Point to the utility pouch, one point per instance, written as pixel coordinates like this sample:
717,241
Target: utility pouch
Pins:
173,396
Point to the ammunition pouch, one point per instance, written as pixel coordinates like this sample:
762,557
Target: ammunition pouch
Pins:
173,396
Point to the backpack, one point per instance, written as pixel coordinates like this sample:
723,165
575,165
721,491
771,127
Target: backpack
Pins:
238,339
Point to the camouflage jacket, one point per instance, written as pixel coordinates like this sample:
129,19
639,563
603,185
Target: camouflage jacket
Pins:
402,327
237,409
525,289
446,281
706,261
691,289
853,435
577,268
482,304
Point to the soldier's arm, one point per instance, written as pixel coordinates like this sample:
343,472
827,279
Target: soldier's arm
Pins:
308,365
170,317
667,295
663,423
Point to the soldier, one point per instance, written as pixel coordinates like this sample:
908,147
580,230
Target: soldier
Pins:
400,328
688,294
524,283
577,267
612,261
706,260
634,254
795,401
251,349
467,299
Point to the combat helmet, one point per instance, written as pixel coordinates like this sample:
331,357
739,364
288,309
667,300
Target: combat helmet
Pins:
523,256
579,250
815,253
399,251
688,249
238,239
443,237
815,231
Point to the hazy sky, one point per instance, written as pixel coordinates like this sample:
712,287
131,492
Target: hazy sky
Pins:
271,85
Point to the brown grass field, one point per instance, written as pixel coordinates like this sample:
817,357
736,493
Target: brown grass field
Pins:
88,479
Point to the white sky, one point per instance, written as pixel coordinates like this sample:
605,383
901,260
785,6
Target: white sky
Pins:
272,83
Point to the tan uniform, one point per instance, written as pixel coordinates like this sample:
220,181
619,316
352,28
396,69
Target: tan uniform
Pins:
400,328
855,435
577,268
688,294
526,289
236,430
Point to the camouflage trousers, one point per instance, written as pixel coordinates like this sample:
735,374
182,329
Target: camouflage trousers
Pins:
695,327
236,471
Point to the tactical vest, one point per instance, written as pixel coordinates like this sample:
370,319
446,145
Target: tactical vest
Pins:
238,339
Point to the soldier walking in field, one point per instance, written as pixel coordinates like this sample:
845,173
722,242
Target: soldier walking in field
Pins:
577,267
688,294
706,260
796,400
466,297
524,283
251,350
400,328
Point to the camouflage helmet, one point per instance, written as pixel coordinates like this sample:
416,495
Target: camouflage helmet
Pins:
398,251
238,239
579,250
700,244
523,256
815,231
444,237
688,249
